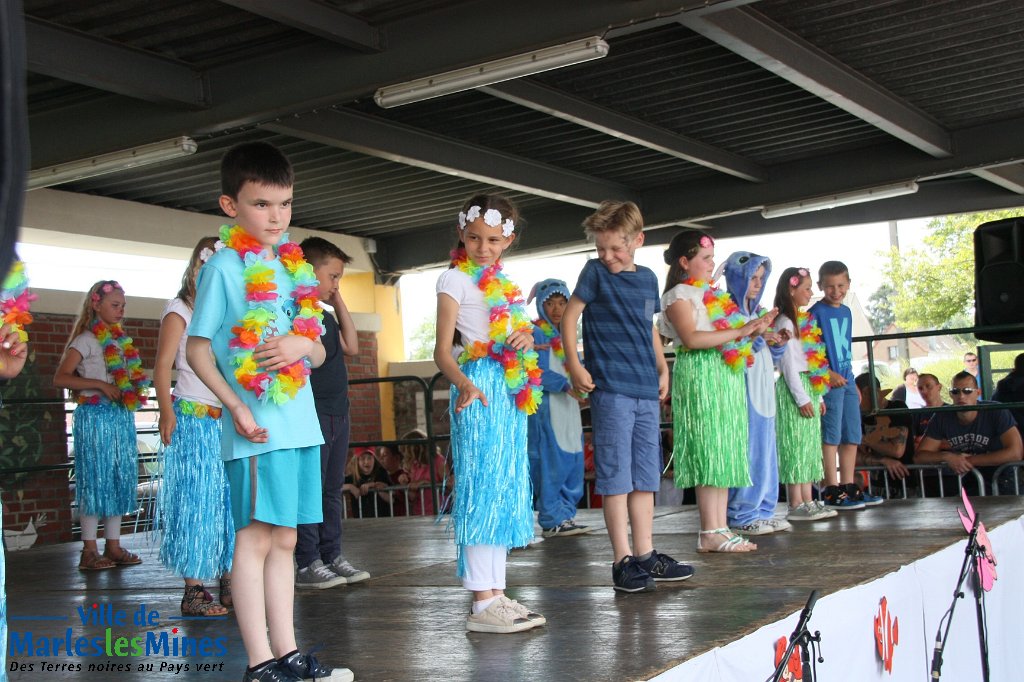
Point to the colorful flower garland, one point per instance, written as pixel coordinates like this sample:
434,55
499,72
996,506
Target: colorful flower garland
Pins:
16,299
508,314
725,314
197,409
260,294
814,351
123,362
553,337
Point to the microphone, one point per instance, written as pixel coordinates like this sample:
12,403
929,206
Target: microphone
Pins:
805,615
937,657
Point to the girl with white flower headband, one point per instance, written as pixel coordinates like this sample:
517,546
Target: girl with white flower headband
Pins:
804,380
484,347
194,515
709,398
103,370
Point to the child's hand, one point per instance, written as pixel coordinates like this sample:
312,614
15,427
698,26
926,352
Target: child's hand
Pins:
246,425
836,380
13,352
520,340
167,423
664,386
773,338
403,479
581,379
807,410
467,394
278,352
112,392
822,408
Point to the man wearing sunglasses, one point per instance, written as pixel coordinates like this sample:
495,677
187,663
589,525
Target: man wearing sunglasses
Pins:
975,439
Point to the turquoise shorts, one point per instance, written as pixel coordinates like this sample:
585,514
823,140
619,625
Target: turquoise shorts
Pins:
281,487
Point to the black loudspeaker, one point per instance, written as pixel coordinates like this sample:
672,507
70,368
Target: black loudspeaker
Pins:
999,278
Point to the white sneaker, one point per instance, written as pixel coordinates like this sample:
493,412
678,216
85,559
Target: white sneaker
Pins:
805,511
778,525
526,613
757,527
501,617
824,511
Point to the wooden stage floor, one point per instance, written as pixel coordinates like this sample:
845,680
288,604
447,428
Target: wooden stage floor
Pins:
407,622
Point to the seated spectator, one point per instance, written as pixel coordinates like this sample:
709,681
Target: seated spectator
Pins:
930,388
1010,389
885,437
981,440
416,459
366,482
908,391
391,460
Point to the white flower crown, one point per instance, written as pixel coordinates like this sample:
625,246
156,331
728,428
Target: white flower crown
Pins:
492,217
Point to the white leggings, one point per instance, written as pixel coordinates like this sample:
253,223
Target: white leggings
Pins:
111,527
485,567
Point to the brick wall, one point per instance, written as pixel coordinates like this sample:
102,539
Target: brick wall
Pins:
364,399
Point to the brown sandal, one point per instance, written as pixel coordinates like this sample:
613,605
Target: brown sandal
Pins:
194,603
94,561
225,592
124,558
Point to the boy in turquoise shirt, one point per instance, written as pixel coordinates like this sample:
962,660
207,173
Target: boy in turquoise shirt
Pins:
256,310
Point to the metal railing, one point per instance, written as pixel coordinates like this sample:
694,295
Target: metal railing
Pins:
1016,467
940,471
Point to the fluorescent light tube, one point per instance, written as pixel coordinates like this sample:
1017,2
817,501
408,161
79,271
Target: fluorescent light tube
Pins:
841,199
112,162
491,72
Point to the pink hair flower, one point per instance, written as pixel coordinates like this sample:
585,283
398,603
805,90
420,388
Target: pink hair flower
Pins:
794,281
706,242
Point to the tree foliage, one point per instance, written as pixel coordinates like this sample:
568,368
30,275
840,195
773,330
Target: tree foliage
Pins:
879,308
422,340
934,285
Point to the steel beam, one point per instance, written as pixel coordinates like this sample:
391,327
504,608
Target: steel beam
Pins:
1009,177
589,115
402,144
317,19
755,37
103,64
322,74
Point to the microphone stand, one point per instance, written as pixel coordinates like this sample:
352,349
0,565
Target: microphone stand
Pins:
803,637
972,555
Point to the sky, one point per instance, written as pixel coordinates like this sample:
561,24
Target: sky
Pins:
860,247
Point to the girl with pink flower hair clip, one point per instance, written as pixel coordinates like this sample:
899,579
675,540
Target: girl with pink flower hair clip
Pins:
709,404
103,370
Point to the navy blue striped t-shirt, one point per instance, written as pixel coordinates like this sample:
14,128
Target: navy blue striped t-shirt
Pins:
618,343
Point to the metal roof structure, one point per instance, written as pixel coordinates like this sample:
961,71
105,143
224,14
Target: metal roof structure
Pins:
703,112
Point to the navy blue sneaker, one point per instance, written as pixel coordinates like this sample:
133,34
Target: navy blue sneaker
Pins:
835,497
664,568
629,576
856,493
306,667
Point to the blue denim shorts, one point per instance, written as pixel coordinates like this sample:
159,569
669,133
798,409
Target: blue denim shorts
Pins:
840,425
627,443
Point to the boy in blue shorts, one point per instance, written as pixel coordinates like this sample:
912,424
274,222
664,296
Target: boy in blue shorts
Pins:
626,376
841,423
256,310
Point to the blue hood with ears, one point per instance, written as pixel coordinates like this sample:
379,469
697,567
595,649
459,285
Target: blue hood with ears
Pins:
544,290
739,267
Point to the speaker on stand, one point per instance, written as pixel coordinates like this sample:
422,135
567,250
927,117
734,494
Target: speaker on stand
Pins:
999,278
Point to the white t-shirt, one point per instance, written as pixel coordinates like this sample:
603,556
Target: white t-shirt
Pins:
92,365
793,361
473,320
689,293
188,385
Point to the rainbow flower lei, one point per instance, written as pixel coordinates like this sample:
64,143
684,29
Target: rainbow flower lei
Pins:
260,293
508,314
16,299
725,314
814,351
197,409
552,335
123,362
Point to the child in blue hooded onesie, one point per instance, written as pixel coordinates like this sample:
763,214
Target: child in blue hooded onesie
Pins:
751,510
555,432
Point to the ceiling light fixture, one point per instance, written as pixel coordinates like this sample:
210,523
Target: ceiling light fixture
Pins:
840,199
112,162
488,73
